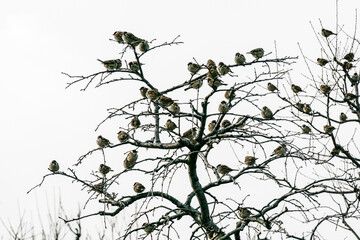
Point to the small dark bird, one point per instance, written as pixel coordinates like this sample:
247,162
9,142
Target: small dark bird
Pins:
326,33
210,64
135,122
152,94
328,129
305,129
143,91
354,79
134,66
174,108
335,151
266,113
195,84
244,212
225,123
299,106
342,117
193,67
325,89
257,53
165,101
132,156
223,69
230,94
348,65
350,96
322,62
212,73
250,160
296,89
223,169
99,187
223,107
102,142
149,228
138,187
103,169
170,125
215,83
349,57
131,39
279,151
128,165
123,136
212,125
271,87
54,166
189,134
118,36
111,65
240,122
307,109
239,59
143,46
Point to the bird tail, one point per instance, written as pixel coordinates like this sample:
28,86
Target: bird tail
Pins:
100,61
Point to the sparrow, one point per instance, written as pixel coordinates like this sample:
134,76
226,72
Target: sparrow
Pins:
299,106
328,129
103,169
223,169
210,64
152,94
148,228
279,151
54,166
342,117
212,125
335,151
350,96
135,122
102,142
266,113
223,69
134,66
325,89
215,83
271,87
348,65
195,84
230,94
123,136
128,165
212,73
250,160
354,79
223,107
322,62
131,39
174,108
326,33
143,46
132,156
111,65
239,121
170,125
225,123
244,212
257,53
305,129
143,91
118,36
193,67
349,57
165,101
138,187
296,89
99,187
189,134
307,109
239,59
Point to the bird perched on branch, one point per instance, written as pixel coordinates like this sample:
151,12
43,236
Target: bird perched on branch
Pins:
134,66
193,67
279,151
174,108
212,125
103,169
135,122
111,65
335,151
131,39
189,134
215,83
349,57
322,62
102,142
326,33
250,160
354,79
239,59
212,73
328,129
257,53
342,117
266,113
223,107
305,129
210,64
350,96
54,166
118,36
307,109
299,106
325,89
123,136
296,89
149,228
152,94
224,170
165,101
195,84
271,87
143,46
348,65
138,187
225,123
223,69
143,91
132,156
128,165
170,125
230,94
244,212
99,187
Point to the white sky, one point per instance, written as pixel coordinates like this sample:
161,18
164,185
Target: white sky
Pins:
41,121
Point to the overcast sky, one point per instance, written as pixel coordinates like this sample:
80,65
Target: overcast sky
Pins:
41,121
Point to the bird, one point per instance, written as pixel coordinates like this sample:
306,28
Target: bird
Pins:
244,212
230,94
307,109
148,228
212,125
326,33
143,46
305,129
223,69
212,73
225,123
99,187
322,62
123,136
193,67
266,113
111,65
174,108
195,84
271,87
239,59
223,107
223,169
152,94
342,117
328,129
134,66
131,39
103,169
335,151
300,106
165,101
349,57
354,79
348,65
54,166
189,134
325,89
128,165
170,125
296,89
138,187
250,160
240,122
210,64
279,151
132,156
257,53
215,83
118,36
350,96
135,122
143,91
102,142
